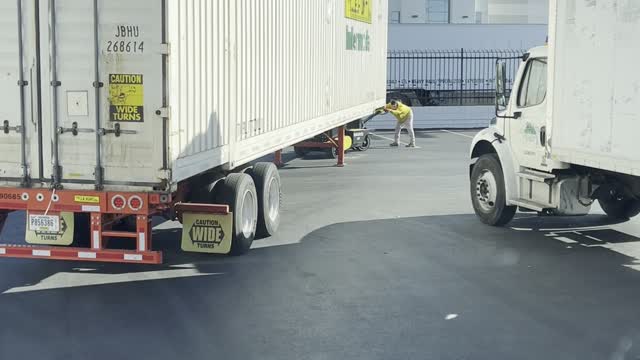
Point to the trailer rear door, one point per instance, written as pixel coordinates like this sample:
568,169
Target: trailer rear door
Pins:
102,92
18,82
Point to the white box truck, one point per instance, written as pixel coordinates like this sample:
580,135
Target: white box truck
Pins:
568,134
122,110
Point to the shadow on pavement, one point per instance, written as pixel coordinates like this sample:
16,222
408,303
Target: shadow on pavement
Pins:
514,293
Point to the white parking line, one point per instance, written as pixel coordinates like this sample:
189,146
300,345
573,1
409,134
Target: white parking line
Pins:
390,139
565,240
457,133
386,138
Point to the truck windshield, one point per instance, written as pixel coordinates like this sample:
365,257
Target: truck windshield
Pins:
533,88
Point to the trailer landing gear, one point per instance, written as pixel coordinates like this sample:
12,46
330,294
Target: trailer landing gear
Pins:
334,145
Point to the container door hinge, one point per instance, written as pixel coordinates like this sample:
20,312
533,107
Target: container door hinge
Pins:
163,112
164,174
165,49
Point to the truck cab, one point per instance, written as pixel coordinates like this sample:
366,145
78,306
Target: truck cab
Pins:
513,164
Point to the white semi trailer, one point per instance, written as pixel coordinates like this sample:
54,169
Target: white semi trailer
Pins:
120,110
568,134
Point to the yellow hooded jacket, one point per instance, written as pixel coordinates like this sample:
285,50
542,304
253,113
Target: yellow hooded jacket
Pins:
402,113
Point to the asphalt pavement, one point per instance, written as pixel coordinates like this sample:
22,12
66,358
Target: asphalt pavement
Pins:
381,259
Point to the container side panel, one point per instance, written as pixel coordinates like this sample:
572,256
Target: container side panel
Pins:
325,67
249,77
198,31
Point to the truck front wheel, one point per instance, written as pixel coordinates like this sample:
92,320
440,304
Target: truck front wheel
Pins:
239,192
488,193
619,209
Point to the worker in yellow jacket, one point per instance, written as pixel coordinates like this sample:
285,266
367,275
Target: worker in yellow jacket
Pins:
404,115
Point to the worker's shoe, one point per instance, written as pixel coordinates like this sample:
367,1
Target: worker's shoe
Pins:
411,145
394,144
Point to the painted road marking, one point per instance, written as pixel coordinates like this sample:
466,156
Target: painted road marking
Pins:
457,133
565,240
390,139
63,280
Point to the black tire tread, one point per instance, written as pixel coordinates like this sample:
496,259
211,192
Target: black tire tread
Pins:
227,195
503,214
259,174
620,209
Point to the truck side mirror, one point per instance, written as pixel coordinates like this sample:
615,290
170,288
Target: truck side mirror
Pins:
501,85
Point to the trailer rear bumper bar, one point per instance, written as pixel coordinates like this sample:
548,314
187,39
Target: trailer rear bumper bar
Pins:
80,254
104,209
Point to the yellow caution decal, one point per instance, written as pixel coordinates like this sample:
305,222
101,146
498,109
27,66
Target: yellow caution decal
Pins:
207,233
126,97
86,199
359,10
50,229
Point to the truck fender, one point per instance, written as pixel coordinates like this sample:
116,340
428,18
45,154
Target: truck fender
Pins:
485,142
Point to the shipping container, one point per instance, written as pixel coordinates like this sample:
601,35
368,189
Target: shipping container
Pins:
146,96
174,88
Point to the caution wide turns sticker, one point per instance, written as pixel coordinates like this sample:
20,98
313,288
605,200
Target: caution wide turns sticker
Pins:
207,233
126,97
50,229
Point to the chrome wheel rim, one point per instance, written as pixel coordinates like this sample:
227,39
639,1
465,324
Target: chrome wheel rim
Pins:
486,191
249,212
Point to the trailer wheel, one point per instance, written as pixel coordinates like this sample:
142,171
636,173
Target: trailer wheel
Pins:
488,193
239,192
267,179
620,209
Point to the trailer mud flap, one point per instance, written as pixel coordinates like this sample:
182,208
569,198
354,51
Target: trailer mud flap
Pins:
50,229
207,233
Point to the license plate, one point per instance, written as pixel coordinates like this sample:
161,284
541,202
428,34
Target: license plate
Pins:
44,223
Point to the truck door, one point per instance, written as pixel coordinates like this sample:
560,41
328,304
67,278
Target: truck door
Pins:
18,85
103,91
530,102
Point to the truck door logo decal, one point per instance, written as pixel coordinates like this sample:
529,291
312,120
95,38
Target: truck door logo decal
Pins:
530,133
126,97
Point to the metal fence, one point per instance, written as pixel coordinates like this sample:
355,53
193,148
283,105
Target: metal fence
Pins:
448,77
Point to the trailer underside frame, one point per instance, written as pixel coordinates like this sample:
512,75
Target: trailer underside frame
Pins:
103,208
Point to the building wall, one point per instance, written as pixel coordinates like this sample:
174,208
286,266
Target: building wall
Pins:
468,36
474,11
462,12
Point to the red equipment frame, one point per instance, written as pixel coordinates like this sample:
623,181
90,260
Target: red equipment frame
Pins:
331,143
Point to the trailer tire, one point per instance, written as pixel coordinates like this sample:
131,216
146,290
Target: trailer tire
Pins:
488,193
623,209
268,185
239,192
